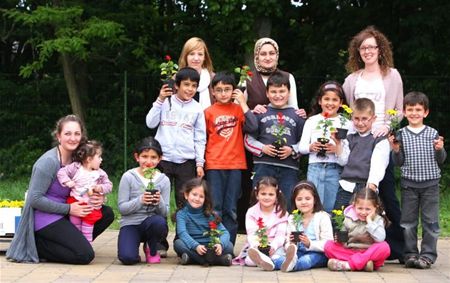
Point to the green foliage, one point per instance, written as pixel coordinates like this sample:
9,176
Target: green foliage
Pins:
18,159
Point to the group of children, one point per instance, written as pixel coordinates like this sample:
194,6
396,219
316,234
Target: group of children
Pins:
341,173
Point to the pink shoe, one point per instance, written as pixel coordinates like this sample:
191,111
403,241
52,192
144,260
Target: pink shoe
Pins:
151,258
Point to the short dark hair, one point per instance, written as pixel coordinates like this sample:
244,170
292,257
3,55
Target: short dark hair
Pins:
364,104
416,97
147,144
187,73
278,79
225,78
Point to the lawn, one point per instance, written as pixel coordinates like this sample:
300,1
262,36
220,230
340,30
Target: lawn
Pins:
15,190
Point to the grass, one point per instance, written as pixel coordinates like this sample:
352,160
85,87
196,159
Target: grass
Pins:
15,190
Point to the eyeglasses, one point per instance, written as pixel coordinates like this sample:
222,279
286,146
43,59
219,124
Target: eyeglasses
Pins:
363,120
225,90
369,48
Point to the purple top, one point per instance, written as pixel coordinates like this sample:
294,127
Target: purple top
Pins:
56,193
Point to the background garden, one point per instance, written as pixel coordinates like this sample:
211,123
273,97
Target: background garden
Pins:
101,59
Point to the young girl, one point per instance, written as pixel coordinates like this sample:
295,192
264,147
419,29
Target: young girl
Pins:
270,208
323,169
193,220
143,213
316,229
195,55
84,177
365,248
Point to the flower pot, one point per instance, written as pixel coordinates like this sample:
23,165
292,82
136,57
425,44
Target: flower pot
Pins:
264,250
341,133
322,153
210,255
170,83
9,220
341,236
296,235
152,192
242,88
396,135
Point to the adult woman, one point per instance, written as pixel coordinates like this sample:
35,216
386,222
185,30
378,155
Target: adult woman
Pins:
373,76
45,233
195,55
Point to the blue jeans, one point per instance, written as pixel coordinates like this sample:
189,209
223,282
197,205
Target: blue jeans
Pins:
306,259
225,187
286,177
152,230
325,176
180,247
425,200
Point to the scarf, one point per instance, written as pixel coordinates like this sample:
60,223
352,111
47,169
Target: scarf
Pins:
204,97
258,46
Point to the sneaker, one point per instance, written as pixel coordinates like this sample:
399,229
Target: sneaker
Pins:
338,265
423,263
291,258
410,261
369,266
261,259
154,259
224,260
184,260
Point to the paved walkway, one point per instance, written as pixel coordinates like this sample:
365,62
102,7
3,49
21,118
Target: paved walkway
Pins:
106,268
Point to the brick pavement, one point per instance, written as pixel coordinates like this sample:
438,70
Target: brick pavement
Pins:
106,268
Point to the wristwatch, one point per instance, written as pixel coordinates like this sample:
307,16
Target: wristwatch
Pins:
293,153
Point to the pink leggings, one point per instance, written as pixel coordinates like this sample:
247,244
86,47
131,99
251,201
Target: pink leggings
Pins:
357,258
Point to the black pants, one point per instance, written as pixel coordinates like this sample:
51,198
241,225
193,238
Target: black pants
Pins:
62,242
179,174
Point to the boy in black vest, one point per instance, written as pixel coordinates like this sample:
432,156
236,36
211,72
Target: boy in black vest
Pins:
363,156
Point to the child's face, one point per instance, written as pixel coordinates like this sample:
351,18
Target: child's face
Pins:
147,158
304,201
222,93
330,102
362,121
95,161
415,115
186,90
363,208
267,196
195,58
278,96
196,197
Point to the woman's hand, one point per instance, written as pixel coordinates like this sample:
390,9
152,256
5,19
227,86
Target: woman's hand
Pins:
218,249
260,109
80,210
381,131
200,249
301,113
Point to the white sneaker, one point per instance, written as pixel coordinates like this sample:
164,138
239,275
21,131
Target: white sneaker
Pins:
261,259
291,258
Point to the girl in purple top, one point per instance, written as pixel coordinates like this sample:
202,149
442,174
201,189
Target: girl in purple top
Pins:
45,232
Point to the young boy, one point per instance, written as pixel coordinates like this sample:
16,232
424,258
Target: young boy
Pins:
363,156
275,145
181,130
225,154
419,151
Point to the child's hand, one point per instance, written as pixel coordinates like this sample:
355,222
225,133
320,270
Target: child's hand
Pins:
301,113
305,240
439,143
269,150
146,198
315,146
238,95
200,172
271,252
69,184
200,249
285,152
165,91
95,189
260,109
395,145
97,199
218,249
371,217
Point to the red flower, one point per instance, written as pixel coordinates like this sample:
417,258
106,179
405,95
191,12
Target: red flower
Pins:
212,225
326,115
168,58
260,223
280,118
249,73
149,165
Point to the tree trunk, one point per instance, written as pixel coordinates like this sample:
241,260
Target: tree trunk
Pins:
72,87
263,28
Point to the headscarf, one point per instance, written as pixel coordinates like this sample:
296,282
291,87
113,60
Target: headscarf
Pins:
258,45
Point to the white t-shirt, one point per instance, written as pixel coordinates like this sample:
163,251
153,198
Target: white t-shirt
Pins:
373,90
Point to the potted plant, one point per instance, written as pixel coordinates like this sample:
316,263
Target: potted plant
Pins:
341,235
297,219
149,173
394,119
168,69
344,116
263,239
214,239
244,75
278,130
10,213
326,125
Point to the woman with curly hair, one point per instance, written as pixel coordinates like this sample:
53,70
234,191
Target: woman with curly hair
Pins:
372,75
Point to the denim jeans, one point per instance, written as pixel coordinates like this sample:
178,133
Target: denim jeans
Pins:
425,200
180,247
225,187
306,259
325,176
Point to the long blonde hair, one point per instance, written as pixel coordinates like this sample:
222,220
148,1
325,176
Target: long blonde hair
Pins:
191,44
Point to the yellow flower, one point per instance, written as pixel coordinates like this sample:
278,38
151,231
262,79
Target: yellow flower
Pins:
391,112
12,203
